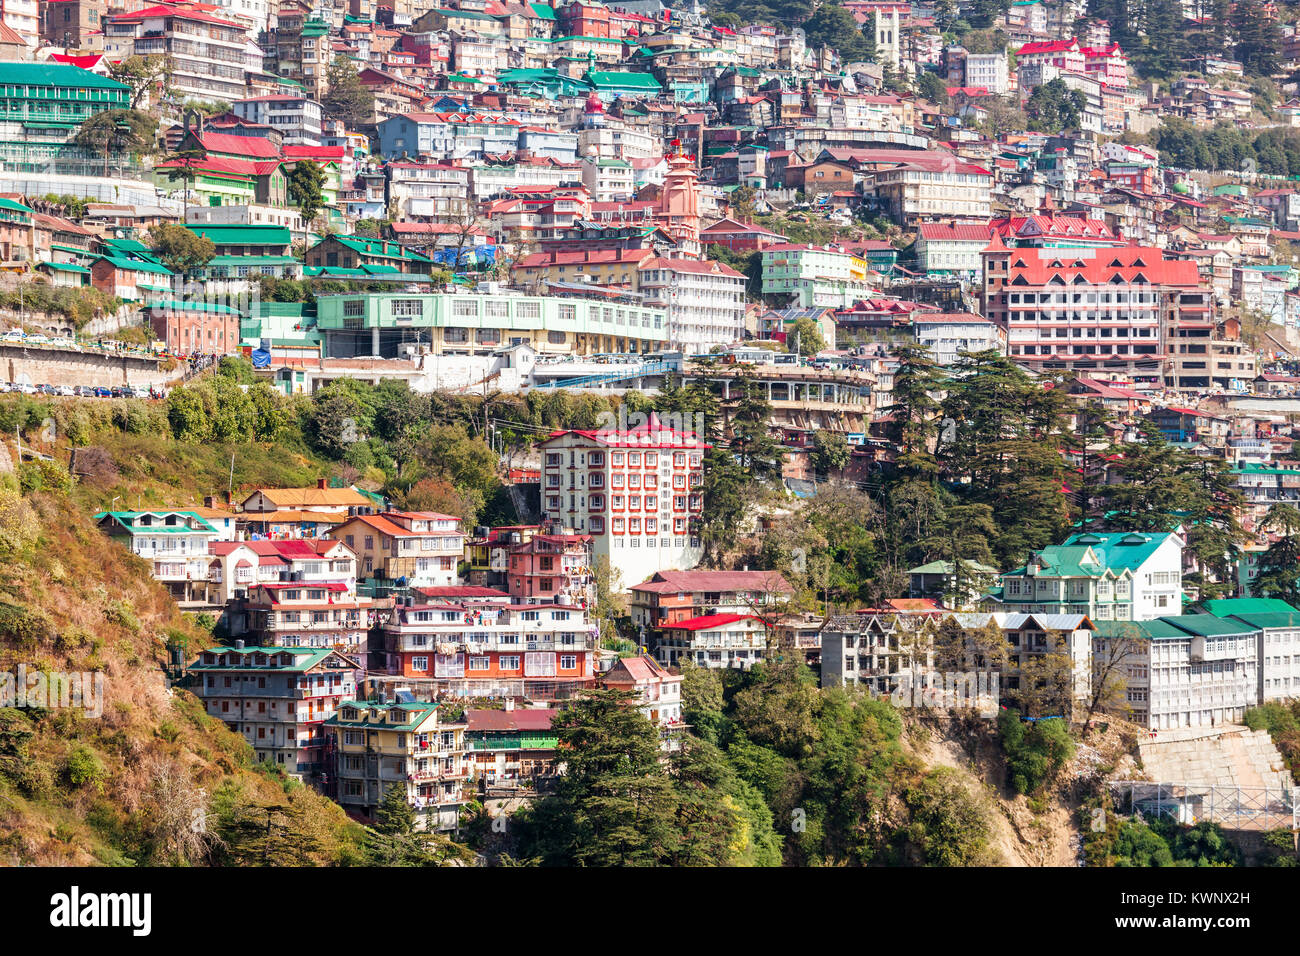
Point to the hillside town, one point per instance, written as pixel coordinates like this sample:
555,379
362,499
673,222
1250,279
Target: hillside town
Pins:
624,348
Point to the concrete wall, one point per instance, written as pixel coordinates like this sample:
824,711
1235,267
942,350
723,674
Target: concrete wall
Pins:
55,366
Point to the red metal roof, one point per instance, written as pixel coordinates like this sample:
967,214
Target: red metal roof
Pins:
710,620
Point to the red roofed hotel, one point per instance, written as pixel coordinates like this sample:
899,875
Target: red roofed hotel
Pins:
1082,308
637,492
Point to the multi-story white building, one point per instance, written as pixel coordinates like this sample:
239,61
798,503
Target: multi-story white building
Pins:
1278,625
703,301
947,334
878,649
277,698
608,180
489,180
1083,308
619,141
714,640
1188,670
435,191
637,492
207,54
987,70
1108,577
174,542
951,248
488,645
658,694
23,17
297,117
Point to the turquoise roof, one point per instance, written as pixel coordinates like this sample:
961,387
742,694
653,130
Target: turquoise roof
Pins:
1207,625
1090,554
128,519
1236,607
56,74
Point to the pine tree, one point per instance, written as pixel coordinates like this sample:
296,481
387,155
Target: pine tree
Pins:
914,426
395,816
1279,566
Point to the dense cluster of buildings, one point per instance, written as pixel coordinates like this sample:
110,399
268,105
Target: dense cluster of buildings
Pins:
602,195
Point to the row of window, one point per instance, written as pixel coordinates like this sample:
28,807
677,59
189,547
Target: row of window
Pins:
507,662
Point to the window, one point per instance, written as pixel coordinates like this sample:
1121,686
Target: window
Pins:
354,307
568,661
510,662
419,663
408,308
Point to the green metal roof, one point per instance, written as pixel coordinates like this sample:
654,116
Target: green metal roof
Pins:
304,658
178,306
243,235
378,247
56,74
643,81
543,11
1207,625
137,265
1158,629
1269,620
66,267
1236,607
9,203
415,713
466,14
1114,552
128,519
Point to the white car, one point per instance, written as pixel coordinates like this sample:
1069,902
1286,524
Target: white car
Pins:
13,335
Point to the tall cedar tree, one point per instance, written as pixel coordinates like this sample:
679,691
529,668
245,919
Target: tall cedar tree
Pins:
1279,566
914,426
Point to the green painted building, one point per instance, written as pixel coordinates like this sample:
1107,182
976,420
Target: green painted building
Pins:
451,323
43,104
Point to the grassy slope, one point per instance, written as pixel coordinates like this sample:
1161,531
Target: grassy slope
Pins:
72,600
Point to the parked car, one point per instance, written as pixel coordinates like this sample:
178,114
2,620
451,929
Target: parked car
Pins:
102,392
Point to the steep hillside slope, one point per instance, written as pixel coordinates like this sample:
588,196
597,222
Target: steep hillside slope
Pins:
152,779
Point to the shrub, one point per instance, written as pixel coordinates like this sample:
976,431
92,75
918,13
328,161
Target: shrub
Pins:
24,627
1034,751
83,768
42,475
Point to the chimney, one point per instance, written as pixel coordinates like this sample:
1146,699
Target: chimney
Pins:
320,482
209,501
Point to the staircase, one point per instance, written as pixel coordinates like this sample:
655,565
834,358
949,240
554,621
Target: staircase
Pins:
1231,756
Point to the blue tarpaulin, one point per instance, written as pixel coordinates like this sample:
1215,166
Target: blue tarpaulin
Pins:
261,358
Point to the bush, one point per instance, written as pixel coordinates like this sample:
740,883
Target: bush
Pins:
1034,750
43,475
25,628
83,768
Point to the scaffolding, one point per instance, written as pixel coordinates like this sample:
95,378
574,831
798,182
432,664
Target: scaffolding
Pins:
1233,808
